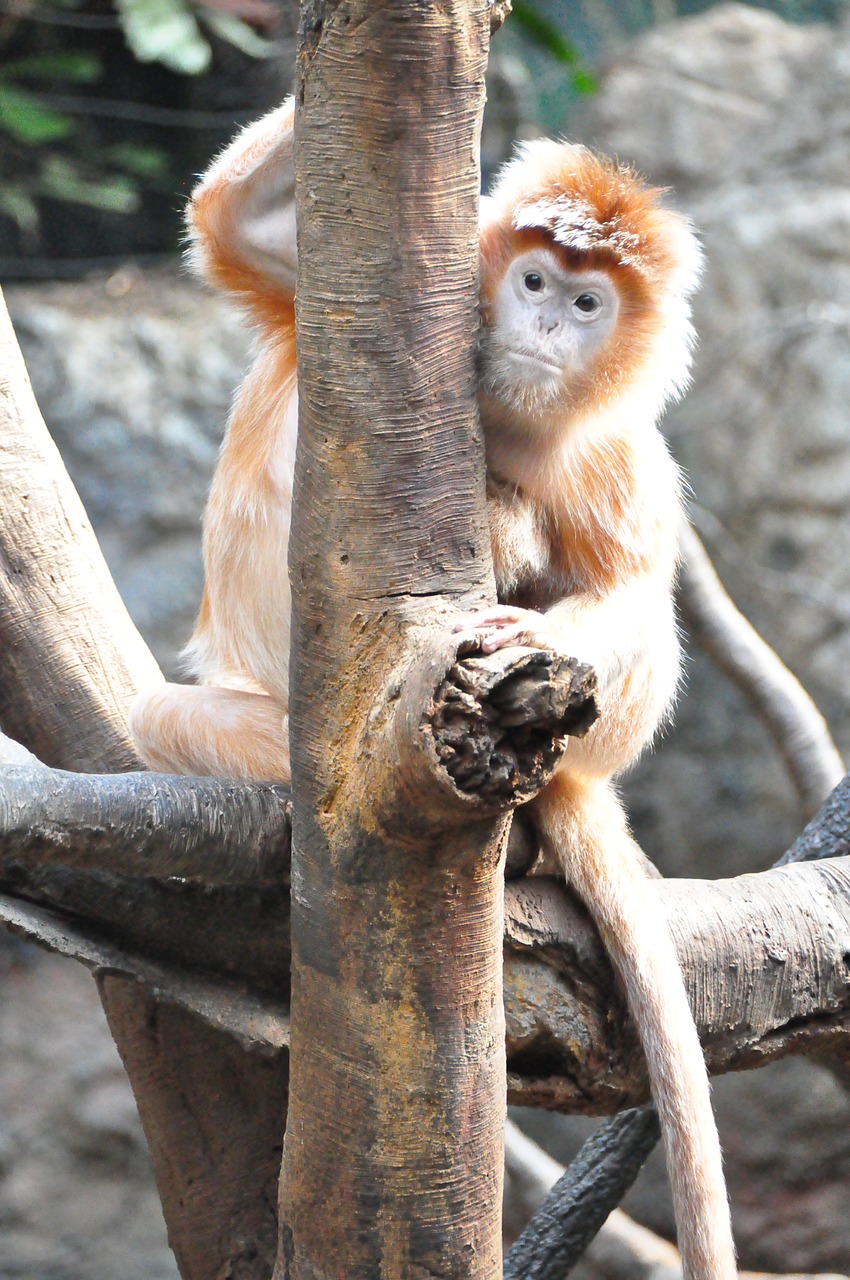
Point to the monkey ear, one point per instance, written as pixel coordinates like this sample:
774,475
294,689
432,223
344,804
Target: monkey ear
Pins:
242,214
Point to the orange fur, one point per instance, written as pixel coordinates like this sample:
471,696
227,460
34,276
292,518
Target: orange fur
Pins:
583,502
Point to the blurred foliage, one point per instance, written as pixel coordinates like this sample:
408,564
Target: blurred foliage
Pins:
98,112
170,32
101,124
547,34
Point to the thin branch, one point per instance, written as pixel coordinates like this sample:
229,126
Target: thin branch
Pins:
567,1219
623,1250
777,697
260,1024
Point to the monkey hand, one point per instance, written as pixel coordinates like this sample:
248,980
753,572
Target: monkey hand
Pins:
504,625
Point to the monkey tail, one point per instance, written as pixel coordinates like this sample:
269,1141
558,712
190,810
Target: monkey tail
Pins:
583,826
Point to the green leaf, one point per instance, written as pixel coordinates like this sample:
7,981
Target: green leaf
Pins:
61,180
18,204
165,31
584,82
238,33
80,68
543,32
26,119
145,162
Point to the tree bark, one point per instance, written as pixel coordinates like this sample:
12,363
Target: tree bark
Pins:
765,961
393,1152
570,1044
84,652
146,824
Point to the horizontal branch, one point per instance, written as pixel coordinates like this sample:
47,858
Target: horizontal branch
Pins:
765,959
144,824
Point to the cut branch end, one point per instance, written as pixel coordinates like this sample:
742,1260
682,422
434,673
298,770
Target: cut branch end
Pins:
500,721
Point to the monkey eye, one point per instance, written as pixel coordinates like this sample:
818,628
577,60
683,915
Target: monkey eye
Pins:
587,304
533,281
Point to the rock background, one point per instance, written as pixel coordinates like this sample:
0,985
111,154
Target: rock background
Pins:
748,119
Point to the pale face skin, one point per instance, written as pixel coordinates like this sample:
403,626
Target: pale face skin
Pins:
548,323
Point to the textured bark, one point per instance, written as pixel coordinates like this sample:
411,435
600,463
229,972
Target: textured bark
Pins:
563,1011
83,651
146,825
557,1236
214,1122
765,959
828,833
392,1159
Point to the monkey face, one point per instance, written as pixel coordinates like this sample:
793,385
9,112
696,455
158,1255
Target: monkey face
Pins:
545,325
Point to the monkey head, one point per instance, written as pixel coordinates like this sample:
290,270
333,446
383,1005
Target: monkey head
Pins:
585,280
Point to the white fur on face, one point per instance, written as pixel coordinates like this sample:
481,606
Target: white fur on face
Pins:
547,324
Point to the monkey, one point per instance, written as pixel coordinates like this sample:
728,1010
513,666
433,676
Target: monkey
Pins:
585,285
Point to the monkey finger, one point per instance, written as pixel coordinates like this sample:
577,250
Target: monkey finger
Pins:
498,615
519,633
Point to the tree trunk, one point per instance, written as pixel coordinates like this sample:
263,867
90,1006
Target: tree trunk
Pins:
393,1150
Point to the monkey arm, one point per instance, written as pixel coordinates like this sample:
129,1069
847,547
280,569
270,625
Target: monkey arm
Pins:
628,636
630,628
615,633
242,215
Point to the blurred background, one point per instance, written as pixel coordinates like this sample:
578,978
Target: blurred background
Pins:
107,113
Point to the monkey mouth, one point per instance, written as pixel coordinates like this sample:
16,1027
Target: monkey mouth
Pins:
530,361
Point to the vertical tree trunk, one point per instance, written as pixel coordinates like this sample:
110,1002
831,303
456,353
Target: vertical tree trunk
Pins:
392,1163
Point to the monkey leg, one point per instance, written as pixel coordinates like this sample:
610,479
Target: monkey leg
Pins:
204,729
582,826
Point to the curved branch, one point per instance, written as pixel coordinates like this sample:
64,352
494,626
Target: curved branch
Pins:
777,697
70,658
